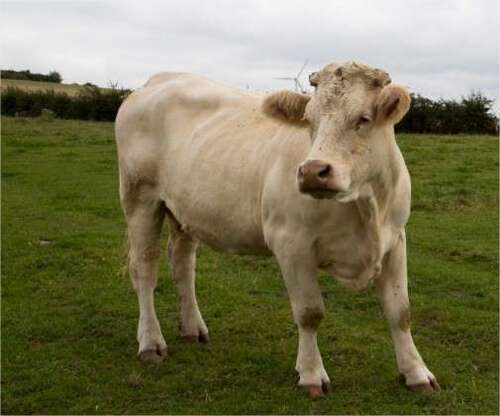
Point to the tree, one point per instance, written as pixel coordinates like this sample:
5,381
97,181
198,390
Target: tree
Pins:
55,76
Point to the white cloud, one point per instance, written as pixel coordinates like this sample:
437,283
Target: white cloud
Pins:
440,49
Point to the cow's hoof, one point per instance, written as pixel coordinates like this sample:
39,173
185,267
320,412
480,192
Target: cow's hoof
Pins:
203,338
429,387
153,356
318,391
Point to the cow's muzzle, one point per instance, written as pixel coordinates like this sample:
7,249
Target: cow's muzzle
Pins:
317,178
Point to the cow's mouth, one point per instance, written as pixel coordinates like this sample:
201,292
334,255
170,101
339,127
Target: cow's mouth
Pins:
321,193
339,196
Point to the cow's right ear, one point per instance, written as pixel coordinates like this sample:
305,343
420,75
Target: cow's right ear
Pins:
286,105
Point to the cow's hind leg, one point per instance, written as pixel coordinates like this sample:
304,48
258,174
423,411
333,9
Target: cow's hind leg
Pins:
144,222
182,255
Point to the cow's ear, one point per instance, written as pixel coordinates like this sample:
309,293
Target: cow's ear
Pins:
314,79
286,105
392,104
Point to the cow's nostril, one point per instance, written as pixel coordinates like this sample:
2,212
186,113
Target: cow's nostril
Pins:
325,172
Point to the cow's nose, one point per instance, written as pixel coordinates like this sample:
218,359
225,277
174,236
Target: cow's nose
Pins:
315,174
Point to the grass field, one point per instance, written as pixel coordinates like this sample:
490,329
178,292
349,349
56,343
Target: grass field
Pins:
69,318
70,89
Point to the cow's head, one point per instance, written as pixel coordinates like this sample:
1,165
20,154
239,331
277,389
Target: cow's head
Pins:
351,118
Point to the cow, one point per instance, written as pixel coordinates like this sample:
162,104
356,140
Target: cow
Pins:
317,181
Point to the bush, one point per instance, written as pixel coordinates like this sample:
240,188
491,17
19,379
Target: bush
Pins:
54,76
473,114
47,115
90,104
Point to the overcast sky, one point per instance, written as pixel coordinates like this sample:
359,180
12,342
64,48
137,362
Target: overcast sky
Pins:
442,48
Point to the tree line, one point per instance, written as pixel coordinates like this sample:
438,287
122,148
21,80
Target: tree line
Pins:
472,114
52,76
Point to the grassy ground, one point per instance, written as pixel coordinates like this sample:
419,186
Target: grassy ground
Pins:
70,89
69,319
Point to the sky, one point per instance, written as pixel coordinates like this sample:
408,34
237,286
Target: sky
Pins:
440,49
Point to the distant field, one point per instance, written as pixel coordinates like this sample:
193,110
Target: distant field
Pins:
70,89
69,319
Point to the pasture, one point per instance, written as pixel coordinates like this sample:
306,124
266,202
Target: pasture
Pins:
69,317
27,85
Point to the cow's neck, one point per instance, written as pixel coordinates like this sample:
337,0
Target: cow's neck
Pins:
373,206
383,186
368,208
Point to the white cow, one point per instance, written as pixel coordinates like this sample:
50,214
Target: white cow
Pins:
317,181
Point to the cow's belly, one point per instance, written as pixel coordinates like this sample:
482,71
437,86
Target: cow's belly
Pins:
221,213
219,226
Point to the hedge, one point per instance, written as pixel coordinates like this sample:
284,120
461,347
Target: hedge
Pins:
52,76
473,114
90,104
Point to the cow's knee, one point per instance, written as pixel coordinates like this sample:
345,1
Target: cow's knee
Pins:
398,317
311,317
142,265
404,319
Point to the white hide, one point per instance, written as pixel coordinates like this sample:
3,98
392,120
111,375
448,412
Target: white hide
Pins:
225,171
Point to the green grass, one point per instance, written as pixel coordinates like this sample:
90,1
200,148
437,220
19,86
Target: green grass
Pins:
28,85
69,318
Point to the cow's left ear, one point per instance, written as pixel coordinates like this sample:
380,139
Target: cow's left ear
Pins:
392,104
286,105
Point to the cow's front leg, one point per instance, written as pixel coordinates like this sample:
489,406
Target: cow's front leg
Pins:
392,291
300,276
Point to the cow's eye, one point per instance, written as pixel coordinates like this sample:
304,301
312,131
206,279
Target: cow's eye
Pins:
363,120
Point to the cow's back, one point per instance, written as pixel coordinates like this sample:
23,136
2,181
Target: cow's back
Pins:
172,102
